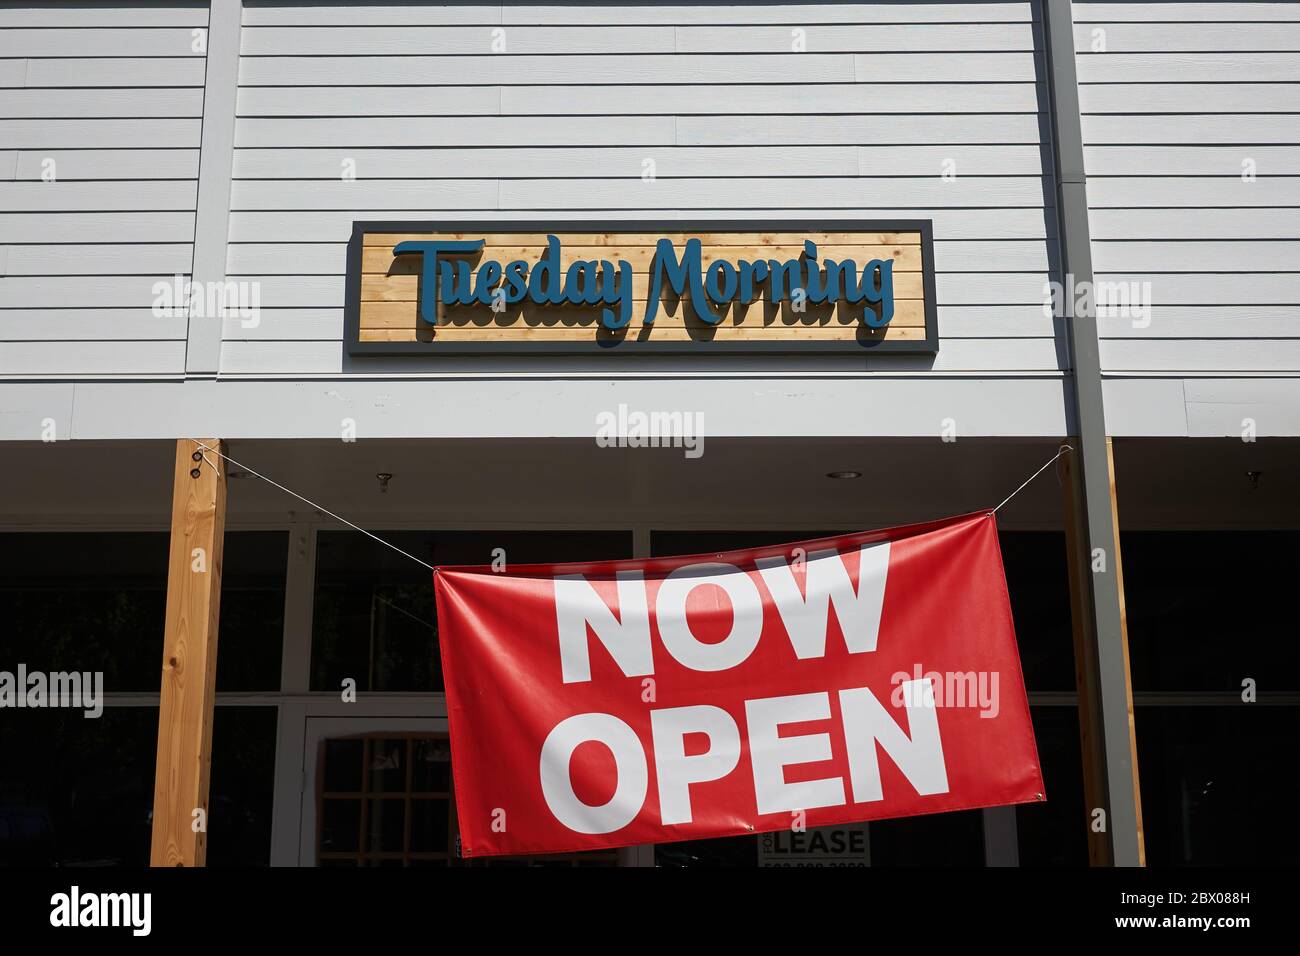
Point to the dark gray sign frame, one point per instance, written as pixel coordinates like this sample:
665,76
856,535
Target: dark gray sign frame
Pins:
352,306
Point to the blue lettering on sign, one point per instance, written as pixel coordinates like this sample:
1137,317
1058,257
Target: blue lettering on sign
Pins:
447,272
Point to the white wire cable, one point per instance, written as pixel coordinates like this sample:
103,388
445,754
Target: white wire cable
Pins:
1059,452
321,508
388,544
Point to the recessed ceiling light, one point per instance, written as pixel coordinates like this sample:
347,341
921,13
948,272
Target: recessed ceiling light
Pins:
843,474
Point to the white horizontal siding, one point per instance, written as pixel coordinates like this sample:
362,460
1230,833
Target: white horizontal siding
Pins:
1190,160
1138,255
111,71
258,13
70,259
83,292
1253,223
1191,128
641,68
1120,37
100,116
669,161
34,359
82,41
95,196
564,194
325,226
530,40
99,104
731,130
99,325
1235,67
1206,192
38,134
678,99
192,14
1222,355
111,227
1206,322
582,102
1108,11
106,164
1160,98
1234,129
447,162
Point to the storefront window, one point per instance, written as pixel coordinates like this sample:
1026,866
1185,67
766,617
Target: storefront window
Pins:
1208,610
86,602
242,786
78,791
374,619
1054,832
96,602
1217,784
1039,587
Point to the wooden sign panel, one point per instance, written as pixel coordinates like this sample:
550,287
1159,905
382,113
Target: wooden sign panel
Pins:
461,288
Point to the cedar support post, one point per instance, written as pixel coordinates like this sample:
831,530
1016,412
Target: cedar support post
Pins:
1087,670
189,660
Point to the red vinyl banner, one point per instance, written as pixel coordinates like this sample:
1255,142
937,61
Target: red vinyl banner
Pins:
826,682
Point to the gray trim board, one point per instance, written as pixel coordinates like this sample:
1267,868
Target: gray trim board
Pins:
216,160
1090,427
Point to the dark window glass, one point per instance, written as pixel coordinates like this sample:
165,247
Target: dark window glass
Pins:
727,851
96,602
252,610
937,839
374,615
1039,586
1055,832
667,543
1208,609
86,602
77,791
1218,784
242,786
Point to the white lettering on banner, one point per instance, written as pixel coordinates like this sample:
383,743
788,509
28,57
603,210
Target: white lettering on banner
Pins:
919,756
746,616
770,753
629,768
675,769
866,724
827,584
626,637
806,615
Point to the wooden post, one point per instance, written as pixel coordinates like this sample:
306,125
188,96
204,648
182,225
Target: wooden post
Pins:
1086,667
1128,672
189,662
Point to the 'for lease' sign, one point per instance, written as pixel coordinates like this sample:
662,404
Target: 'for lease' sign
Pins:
821,683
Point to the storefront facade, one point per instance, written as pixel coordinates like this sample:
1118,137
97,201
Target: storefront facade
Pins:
1136,152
